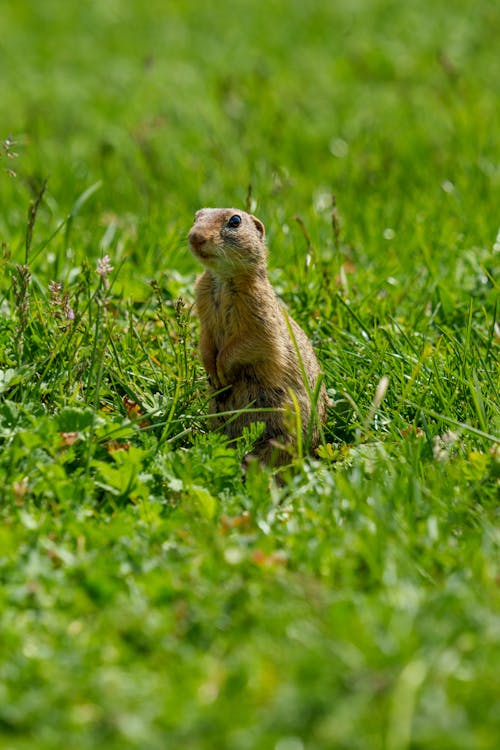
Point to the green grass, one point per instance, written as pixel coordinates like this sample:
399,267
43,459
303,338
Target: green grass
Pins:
149,599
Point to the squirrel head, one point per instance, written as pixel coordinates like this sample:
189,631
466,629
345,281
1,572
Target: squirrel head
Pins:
228,241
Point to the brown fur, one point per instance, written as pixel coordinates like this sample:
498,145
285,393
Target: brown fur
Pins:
245,341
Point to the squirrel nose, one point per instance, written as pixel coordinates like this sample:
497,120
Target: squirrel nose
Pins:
196,239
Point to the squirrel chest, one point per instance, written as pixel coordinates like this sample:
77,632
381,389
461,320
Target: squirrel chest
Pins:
228,311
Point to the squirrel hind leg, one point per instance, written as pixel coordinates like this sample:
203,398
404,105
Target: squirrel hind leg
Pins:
268,455
270,452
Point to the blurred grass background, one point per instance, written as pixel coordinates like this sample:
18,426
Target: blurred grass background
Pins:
184,104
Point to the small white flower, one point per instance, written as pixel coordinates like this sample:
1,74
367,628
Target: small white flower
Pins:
442,443
104,267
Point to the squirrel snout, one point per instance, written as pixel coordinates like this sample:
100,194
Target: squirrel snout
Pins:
196,239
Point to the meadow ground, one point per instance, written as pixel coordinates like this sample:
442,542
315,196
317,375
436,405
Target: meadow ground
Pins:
149,598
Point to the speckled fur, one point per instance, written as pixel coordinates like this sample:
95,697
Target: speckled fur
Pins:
245,343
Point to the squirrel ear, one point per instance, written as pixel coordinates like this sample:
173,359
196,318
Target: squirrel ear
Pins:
259,226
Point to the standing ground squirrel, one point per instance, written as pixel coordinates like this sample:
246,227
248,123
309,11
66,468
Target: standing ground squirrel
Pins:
248,343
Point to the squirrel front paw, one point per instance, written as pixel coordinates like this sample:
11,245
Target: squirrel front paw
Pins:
222,372
211,370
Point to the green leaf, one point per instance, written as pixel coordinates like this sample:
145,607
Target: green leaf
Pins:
202,501
71,419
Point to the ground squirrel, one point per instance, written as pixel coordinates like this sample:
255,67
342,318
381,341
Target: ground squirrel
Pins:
247,339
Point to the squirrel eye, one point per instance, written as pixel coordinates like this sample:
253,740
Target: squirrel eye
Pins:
234,221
